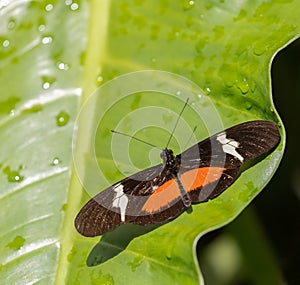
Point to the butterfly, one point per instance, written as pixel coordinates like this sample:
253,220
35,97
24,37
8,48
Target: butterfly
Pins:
162,192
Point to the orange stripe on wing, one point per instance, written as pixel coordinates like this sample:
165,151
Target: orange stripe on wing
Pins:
169,191
162,196
199,177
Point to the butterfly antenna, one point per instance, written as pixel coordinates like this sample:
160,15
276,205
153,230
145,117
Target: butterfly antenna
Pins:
187,100
194,129
137,139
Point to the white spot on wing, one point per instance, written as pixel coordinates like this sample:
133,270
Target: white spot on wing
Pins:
229,146
120,200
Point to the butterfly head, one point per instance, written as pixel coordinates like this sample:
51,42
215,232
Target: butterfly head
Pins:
168,158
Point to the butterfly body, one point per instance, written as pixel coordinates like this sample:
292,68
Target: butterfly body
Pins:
162,192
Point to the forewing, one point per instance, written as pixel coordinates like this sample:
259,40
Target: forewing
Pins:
245,142
255,138
224,153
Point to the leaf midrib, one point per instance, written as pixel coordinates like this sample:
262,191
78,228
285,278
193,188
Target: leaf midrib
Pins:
95,52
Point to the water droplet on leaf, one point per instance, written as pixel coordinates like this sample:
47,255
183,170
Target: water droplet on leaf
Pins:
16,243
64,207
13,175
47,39
55,161
259,48
135,263
8,105
49,7
62,119
42,28
11,23
62,66
207,91
47,81
248,105
188,4
74,6
46,85
99,79
6,43
243,86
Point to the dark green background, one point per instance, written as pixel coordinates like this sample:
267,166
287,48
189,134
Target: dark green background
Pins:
277,207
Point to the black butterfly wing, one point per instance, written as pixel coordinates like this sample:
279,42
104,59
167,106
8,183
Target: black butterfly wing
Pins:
228,150
123,203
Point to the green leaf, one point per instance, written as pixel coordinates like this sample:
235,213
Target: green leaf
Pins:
53,55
